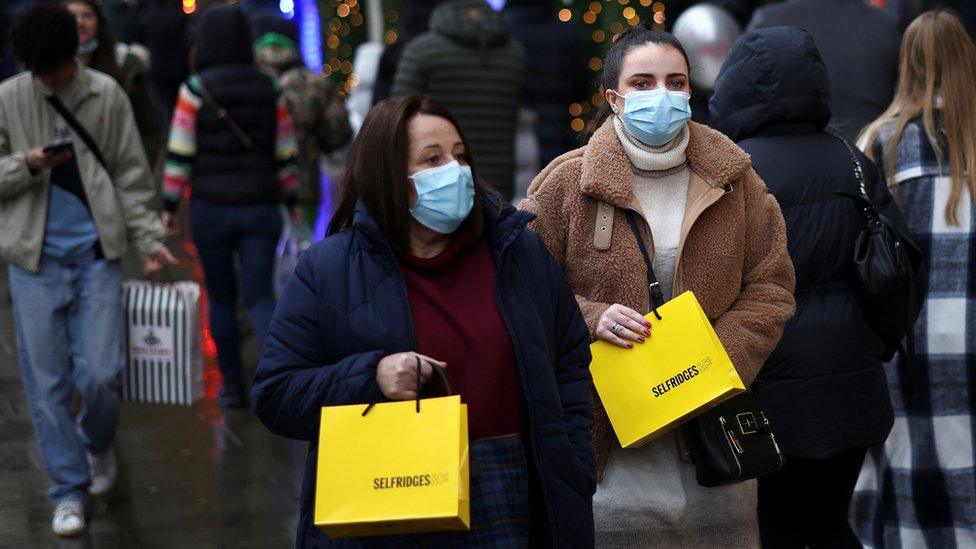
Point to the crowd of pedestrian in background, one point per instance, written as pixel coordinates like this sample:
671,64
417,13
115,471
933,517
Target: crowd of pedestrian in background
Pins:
471,219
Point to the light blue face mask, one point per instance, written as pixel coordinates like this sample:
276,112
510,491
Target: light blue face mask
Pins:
656,116
89,48
445,196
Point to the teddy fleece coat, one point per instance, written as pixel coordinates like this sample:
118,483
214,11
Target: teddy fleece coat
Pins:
732,252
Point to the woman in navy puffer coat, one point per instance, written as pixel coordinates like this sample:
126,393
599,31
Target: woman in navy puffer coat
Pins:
491,303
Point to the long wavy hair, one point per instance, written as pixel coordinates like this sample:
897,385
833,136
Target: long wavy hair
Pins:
935,83
104,58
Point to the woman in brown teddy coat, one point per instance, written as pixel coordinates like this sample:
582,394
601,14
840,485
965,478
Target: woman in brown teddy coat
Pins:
710,226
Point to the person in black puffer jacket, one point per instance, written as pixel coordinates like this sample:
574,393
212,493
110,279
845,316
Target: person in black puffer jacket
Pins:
823,387
239,166
469,62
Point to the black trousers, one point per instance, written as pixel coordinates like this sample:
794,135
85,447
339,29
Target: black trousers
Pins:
807,503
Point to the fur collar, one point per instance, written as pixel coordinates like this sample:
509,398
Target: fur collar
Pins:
607,174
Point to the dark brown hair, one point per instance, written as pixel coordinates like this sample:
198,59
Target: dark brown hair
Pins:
376,172
102,59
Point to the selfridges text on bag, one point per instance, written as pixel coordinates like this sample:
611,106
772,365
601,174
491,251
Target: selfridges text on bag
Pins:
164,359
394,467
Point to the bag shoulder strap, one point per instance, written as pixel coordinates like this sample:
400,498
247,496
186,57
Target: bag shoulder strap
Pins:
858,168
653,286
75,125
905,351
222,113
868,209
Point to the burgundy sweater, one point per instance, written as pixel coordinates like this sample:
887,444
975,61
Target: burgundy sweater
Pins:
456,320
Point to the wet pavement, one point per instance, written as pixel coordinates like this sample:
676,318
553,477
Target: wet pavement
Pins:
194,476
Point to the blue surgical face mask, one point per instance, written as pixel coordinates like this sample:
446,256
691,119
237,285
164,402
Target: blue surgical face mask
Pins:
656,116
445,196
89,48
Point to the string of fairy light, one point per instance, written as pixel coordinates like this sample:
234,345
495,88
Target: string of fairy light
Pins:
346,20
344,30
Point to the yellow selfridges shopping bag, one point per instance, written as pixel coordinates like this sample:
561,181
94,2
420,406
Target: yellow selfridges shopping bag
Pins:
401,468
679,372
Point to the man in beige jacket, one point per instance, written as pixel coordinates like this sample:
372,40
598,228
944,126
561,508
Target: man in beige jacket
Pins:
75,187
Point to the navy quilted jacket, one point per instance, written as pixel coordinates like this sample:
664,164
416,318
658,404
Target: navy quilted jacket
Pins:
346,308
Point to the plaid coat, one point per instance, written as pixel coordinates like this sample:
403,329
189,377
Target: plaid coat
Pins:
919,489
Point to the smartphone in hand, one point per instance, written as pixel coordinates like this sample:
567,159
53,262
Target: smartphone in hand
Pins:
57,148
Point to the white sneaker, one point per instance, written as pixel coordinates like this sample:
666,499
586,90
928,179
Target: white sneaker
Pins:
69,519
103,473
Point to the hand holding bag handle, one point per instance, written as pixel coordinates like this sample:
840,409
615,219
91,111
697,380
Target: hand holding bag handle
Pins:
440,374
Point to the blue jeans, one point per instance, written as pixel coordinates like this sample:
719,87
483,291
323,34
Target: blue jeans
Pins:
68,320
251,233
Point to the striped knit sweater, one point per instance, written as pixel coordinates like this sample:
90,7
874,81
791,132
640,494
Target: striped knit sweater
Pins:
182,149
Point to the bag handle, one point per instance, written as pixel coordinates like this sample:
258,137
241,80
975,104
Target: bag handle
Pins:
440,373
653,286
70,119
863,199
224,115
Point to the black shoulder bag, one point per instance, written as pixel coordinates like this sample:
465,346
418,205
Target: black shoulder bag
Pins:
731,442
886,265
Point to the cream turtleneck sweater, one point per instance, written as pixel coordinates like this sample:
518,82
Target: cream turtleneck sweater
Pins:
661,178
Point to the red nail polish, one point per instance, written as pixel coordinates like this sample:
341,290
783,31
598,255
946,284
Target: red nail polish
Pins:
630,345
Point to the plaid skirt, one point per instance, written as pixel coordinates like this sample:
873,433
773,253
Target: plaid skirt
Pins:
499,503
